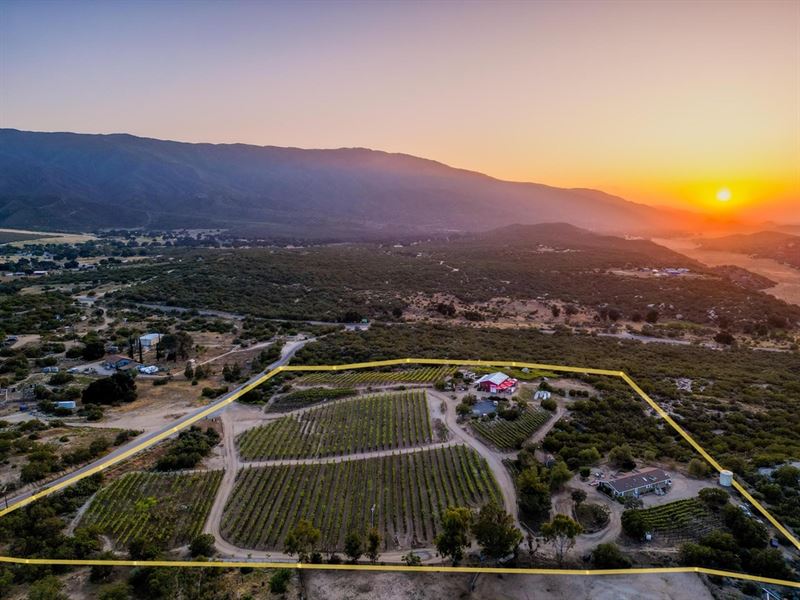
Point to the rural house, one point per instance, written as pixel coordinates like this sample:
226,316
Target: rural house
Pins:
636,484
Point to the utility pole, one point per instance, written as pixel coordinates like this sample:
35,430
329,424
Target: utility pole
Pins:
372,517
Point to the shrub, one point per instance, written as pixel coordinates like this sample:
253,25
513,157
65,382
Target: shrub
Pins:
608,556
698,469
279,580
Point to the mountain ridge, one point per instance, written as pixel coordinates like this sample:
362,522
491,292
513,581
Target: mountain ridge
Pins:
77,181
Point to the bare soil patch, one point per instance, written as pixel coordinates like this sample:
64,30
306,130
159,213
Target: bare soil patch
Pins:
339,585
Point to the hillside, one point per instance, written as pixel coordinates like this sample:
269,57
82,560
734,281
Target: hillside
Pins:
782,247
77,182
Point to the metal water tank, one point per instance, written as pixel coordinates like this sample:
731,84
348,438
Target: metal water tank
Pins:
725,478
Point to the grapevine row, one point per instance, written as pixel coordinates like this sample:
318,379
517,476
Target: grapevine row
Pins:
363,424
168,507
409,491
426,375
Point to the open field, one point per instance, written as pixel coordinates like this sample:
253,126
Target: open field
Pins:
508,435
168,508
345,427
426,375
408,492
19,237
348,585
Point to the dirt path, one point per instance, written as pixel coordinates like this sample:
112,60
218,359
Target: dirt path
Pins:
343,457
228,479
234,350
494,460
73,524
562,503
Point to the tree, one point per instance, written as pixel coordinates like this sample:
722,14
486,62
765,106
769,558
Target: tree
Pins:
495,532
279,580
188,372
652,316
116,591
143,549
373,545
608,556
748,533
534,494
698,468
787,476
769,562
302,540
463,409
724,337
178,344
559,475
93,348
578,497
6,581
202,545
353,546
100,573
714,497
118,388
48,588
634,524
622,457
589,456
455,534
561,533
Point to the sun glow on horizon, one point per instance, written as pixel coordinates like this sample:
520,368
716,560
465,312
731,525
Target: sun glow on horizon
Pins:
723,194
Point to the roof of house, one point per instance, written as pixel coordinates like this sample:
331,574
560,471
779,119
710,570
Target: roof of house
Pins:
495,378
113,359
150,337
637,480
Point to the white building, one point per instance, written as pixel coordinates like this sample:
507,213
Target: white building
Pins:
149,340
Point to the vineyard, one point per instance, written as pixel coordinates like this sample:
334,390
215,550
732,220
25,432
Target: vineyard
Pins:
363,424
168,508
680,520
409,491
302,398
509,435
426,375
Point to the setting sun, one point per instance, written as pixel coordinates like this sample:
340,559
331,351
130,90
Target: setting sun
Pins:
723,195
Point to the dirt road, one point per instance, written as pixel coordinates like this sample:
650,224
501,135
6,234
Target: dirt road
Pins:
494,460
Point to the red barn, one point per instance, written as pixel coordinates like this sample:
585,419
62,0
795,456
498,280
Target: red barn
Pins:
497,382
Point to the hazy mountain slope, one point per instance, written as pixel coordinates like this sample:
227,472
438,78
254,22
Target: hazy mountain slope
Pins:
76,181
782,247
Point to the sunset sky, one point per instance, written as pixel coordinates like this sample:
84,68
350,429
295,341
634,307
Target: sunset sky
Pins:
665,103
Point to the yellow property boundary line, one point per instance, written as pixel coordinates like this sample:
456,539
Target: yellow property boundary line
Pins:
430,569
